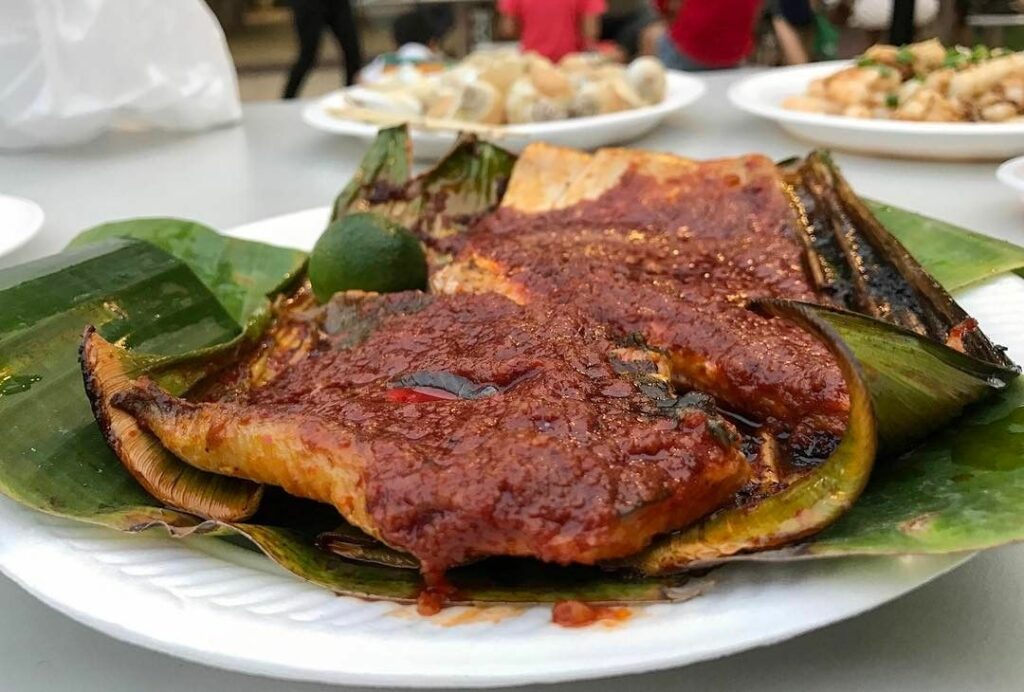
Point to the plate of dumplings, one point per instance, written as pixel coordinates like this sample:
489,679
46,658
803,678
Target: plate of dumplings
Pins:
512,98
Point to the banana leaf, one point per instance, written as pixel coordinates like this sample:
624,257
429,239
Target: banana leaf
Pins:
386,167
858,264
443,201
53,456
240,273
955,256
215,260
963,489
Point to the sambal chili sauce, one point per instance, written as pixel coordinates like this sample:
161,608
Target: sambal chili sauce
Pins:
580,614
676,262
559,458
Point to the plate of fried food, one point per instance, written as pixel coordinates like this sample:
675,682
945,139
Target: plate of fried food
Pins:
515,419
921,100
584,101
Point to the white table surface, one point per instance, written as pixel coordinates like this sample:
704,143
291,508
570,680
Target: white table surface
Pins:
965,631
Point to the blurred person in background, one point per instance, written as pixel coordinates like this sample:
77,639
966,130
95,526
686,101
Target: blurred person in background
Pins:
633,27
798,28
552,28
311,18
707,34
418,35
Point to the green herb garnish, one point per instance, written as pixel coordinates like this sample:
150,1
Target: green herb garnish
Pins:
892,101
865,62
904,56
956,57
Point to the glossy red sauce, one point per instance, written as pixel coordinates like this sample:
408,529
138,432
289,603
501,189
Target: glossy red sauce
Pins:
580,614
432,599
677,261
568,461
418,395
955,338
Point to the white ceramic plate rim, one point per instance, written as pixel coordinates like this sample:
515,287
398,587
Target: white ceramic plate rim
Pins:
29,216
745,96
214,603
682,90
1011,174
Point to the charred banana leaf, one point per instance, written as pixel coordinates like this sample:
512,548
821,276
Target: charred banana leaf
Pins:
865,269
445,200
386,168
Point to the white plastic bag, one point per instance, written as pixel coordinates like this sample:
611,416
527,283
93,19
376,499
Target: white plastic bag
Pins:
70,69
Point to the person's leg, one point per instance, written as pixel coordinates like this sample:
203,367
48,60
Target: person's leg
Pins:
343,25
790,42
674,59
309,24
649,38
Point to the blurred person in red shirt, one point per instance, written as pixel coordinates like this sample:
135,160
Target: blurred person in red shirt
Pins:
553,28
707,34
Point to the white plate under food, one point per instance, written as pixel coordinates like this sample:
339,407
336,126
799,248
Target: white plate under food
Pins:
20,220
1011,174
212,602
681,91
763,94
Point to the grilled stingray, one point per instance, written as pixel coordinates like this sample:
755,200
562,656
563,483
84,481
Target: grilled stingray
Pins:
460,427
674,251
550,398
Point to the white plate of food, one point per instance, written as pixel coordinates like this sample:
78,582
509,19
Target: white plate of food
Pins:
361,111
20,220
820,120
215,602
224,606
211,602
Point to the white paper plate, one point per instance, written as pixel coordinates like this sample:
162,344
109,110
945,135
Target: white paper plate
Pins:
20,220
763,94
1011,174
215,603
582,133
